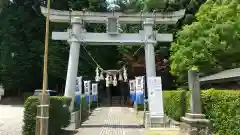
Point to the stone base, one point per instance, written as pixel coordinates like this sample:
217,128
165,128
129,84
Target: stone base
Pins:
75,121
195,124
163,131
156,122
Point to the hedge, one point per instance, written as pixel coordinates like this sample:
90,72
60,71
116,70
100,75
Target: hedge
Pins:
59,115
25,95
174,103
221,107
85,107
84,104
140,107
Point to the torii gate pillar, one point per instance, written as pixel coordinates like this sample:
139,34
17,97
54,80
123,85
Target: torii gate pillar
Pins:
149,48
73,59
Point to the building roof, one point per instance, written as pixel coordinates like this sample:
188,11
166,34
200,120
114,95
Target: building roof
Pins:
225,75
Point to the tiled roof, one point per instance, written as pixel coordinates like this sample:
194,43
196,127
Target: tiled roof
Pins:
226,74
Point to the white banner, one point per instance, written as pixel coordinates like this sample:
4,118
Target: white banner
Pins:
1,90
139,82
95,89
132,86
155,98
79,83
87,87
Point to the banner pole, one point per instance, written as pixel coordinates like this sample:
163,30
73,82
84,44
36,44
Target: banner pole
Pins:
89,104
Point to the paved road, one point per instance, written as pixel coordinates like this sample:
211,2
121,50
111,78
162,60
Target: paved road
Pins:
112,121
11,119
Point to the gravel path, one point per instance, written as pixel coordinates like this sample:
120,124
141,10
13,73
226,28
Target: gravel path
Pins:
11,119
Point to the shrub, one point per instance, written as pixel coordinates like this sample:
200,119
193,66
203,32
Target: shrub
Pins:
59,115
174,103
140,107
29,118
94,104
84,107
25,95
84,104
222,108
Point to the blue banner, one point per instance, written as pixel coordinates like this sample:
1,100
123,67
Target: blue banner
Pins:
78,97
132,96
139,97
88,98
94,97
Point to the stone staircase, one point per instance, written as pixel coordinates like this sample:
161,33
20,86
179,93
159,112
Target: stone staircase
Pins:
116,101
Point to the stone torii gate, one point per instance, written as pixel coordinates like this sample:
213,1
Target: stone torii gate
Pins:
78,35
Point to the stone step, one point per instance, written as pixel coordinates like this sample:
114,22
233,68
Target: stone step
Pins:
164,131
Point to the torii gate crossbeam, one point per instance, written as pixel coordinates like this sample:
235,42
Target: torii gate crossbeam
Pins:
106,39
123,18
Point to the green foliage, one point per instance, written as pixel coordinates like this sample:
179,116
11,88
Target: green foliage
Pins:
221,107
20,19
29,118
26,95
84,104
93,104
3,3
140,107
20,49
211,43
162,49
172,101
19,22
84,107
59,115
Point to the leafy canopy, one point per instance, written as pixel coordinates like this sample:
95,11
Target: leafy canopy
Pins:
211,43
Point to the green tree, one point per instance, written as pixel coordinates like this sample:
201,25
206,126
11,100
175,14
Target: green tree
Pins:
211,43
20,48
22,30
162,49
191,7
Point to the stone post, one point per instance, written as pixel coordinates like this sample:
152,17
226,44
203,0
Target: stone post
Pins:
109,96
195,123
77,119
73,58
194,87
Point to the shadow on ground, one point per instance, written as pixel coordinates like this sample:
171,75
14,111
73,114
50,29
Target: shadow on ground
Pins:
69,132
12,101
